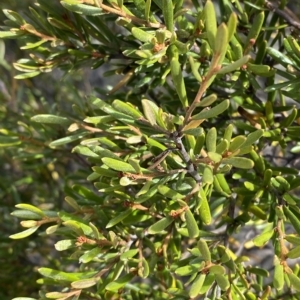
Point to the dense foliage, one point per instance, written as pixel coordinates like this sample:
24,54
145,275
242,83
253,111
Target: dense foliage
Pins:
176,177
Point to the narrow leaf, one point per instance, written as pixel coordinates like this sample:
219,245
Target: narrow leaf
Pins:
294,253
51,119
197,285
213,112
118,165
204,250
84,283
120,217
119,283
160,225
191,224
239,162
24,233
263,238
222,281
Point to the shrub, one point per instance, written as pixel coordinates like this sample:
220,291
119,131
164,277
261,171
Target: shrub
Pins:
179,172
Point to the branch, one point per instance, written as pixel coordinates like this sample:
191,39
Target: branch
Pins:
189,164
119,12
286,14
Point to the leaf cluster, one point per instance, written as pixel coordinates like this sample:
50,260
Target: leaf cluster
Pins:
173,159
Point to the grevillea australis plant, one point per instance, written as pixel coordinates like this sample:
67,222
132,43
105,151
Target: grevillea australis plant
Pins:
181,189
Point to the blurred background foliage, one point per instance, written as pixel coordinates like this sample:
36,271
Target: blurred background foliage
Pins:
21,180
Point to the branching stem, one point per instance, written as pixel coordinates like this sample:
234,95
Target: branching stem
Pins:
123,14
189,164
286,14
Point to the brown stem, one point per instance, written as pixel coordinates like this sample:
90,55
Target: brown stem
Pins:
283,248
203,87
192,170
286,14
121,13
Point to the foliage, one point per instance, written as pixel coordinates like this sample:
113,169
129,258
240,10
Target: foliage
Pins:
164,168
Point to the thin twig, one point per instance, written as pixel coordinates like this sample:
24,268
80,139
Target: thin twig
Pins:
286,14
203,87
189,164
121,13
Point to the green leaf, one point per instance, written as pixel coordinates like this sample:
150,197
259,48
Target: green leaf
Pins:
141,35
28,223
231,25
294,253
221,42
84,9
239,162
204,250
144,270
51,119
177,76
207,100
168,11
23,298
99,120
8,141
84,150
24,233
255,28
150,111
160,225
78,227
204,210
253,137
197,285
258,212
235,65
64,276
237,143
217,269
293,219
67,139
26,214
213,112
167,192
129,254
13,16
119,218
31,208
295,281
209,281
258,271
193,131
222,281
263,238
216,157
10,34
295,240
208,176
211,139
52,229
126,109
186,270
26,75
118,165
278,279
191,224
65,244
85,283
210,23
119,283
90,255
